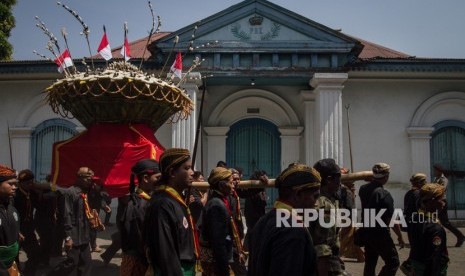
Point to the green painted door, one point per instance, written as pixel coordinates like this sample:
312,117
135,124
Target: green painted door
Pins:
255,144
448,149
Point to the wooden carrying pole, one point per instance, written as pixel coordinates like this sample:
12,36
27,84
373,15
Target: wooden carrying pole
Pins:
247,184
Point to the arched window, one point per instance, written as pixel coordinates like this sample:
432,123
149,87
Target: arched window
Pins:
448,150
43,137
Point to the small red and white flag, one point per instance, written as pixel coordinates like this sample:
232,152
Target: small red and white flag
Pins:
176,68
64,61
125,51
104,48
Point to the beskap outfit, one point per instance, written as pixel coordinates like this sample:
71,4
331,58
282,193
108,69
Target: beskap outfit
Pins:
170,234
77,227
216,237
428,253
281,251
377,240
131,225
25,202
9,235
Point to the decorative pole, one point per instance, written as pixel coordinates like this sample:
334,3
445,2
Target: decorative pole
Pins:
85,28
51,36
42,56
191,43
151,32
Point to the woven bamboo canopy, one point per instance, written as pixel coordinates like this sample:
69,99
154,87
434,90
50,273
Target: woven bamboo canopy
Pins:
119,94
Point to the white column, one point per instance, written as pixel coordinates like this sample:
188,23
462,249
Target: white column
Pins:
420,148
309,134
21,147
328,92
183,131
216,146
290,145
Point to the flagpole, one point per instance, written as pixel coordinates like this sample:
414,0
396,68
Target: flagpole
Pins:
105,33
64,34
90,51
124,42
176,40
50,48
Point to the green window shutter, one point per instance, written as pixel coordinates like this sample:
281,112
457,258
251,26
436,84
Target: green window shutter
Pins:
43,137
448,149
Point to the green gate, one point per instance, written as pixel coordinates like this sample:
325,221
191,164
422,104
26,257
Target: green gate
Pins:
255,144
448,150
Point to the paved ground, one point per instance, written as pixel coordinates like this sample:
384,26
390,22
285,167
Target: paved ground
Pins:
456,266
456,255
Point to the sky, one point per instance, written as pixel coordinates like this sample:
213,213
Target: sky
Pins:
422,28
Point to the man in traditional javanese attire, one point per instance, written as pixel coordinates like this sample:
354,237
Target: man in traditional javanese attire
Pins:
25,201
346,197
197,198
131,223
78,219
441,179
170,234
377,238
282,249
9,226
429,254
217,226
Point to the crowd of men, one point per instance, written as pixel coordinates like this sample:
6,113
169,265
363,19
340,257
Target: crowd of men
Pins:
167,227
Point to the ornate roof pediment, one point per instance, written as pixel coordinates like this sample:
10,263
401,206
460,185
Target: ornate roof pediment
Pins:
259,26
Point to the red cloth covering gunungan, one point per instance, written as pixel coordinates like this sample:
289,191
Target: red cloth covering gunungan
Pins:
110,150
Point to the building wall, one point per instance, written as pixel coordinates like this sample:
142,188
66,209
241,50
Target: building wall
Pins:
381,112
23,108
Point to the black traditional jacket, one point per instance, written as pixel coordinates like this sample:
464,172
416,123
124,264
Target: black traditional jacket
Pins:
280,251
131,225
168,234
76,223
429,243
216,232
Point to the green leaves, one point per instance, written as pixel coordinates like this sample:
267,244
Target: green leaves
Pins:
7,23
